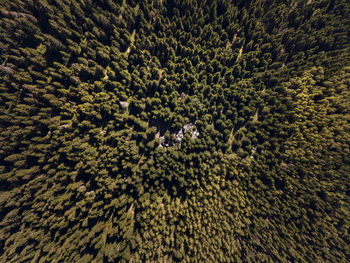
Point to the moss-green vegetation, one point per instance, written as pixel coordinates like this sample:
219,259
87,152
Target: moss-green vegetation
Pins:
161,131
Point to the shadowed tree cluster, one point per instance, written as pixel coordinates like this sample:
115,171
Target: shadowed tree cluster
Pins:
174,131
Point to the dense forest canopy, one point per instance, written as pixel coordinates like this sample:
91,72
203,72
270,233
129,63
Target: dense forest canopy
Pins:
174,131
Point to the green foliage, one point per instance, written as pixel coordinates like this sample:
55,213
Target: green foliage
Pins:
185,131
